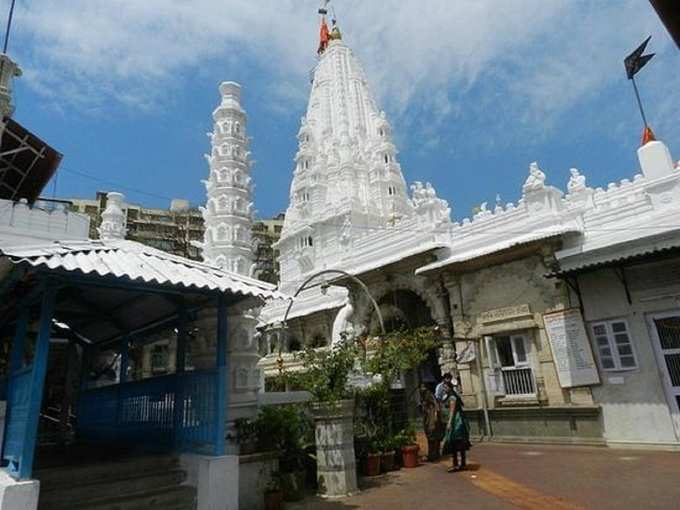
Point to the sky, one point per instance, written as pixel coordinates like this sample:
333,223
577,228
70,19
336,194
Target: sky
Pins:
475,90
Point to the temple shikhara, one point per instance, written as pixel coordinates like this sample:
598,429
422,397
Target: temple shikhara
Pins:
129,330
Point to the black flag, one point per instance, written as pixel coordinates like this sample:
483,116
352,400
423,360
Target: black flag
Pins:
636,60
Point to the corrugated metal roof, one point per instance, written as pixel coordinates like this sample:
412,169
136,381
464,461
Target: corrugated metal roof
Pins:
136,262
625,252
499,246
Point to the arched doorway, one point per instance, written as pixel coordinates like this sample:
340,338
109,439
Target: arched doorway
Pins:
403,309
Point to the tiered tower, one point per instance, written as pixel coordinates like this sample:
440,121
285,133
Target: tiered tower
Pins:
346,171
228,213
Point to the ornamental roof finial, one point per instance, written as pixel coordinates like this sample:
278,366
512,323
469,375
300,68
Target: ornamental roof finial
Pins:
324,34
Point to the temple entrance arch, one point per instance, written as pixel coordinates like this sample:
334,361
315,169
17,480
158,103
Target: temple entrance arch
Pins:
404,309
401,309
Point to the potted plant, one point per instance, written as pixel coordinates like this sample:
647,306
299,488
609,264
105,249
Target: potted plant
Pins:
273,495
286,430
326,377
388,455
406,439
373,461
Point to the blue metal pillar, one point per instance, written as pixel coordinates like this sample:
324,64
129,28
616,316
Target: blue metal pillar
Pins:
222,376
17,355
180,361
42,349
16,360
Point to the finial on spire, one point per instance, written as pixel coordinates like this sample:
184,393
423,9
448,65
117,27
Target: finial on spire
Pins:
326,35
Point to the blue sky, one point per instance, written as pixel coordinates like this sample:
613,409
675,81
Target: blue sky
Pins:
475,90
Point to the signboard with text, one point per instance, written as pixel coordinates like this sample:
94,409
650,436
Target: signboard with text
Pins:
571,349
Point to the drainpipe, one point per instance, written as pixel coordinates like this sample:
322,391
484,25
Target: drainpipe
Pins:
485,410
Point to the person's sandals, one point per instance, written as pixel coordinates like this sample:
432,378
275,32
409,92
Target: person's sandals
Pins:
452,469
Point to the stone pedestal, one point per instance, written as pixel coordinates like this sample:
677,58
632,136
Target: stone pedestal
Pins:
16,495
216,480
336,462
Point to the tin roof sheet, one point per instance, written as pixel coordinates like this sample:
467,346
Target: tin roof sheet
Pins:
505,244
138,263
624,252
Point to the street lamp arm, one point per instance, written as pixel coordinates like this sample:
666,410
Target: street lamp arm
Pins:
333,271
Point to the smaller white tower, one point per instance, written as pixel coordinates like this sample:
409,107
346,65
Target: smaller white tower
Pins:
229,211
113,218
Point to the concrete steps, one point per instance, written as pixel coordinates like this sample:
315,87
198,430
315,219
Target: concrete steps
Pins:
137,483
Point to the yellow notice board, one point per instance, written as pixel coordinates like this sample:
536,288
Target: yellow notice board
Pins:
571,349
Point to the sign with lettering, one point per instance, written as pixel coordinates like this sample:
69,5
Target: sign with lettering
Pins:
502,314
571,349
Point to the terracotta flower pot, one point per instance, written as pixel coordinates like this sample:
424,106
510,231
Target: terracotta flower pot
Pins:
409,455
373,461
388,463
273,500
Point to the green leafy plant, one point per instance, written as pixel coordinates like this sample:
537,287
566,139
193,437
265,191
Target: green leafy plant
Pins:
372,413
288,430
400,351
246,430
405,437
326,371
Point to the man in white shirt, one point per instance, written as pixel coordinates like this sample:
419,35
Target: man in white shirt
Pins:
440,391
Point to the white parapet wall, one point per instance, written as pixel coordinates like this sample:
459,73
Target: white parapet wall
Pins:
22,224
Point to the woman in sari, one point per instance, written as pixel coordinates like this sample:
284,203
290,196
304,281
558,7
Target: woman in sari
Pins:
457,436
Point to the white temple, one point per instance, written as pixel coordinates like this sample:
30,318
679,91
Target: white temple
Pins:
347,181
228,213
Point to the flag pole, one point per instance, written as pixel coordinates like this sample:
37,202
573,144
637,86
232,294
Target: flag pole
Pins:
637,96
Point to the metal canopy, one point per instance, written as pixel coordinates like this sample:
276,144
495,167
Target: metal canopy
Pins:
26,163
110,289
627,253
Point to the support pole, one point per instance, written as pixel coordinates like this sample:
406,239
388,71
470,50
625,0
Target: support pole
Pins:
124,359
637,96
180,360
17,355
482,384
16,358
122,379
42,349
222,376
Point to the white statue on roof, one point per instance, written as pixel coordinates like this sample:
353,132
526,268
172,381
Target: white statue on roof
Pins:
536,179
577,182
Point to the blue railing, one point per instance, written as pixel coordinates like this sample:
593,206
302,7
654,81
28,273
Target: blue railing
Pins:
169,412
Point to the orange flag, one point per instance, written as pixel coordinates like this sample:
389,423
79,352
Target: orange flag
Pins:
323,36
648,135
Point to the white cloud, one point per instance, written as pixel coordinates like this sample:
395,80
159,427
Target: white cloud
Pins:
533,59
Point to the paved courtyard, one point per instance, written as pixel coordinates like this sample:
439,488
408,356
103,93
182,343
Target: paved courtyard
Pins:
529,477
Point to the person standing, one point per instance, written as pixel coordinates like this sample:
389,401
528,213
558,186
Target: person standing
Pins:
432,425
440,391
457,435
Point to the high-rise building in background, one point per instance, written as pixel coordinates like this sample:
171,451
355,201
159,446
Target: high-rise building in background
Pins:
170,230
173,229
